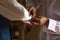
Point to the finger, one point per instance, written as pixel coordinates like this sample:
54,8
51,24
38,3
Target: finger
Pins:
31,8
28,8
35,21
32,11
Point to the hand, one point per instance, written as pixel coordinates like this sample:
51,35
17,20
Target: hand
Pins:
39,21
43,20
32,11
36,21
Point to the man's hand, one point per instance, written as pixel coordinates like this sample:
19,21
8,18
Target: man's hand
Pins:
32,11
43,20
39,21
36,21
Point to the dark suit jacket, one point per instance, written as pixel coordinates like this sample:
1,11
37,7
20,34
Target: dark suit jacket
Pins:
54,10
34,3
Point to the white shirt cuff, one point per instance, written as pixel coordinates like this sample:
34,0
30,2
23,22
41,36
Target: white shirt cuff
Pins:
52,25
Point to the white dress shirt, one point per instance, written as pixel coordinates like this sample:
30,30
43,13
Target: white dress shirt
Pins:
13,10
54,25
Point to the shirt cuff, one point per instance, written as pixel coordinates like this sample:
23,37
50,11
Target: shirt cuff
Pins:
52,25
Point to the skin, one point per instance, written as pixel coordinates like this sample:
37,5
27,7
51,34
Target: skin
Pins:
37,21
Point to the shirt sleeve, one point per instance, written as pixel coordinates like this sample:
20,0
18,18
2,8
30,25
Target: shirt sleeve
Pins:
13,10
52,25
